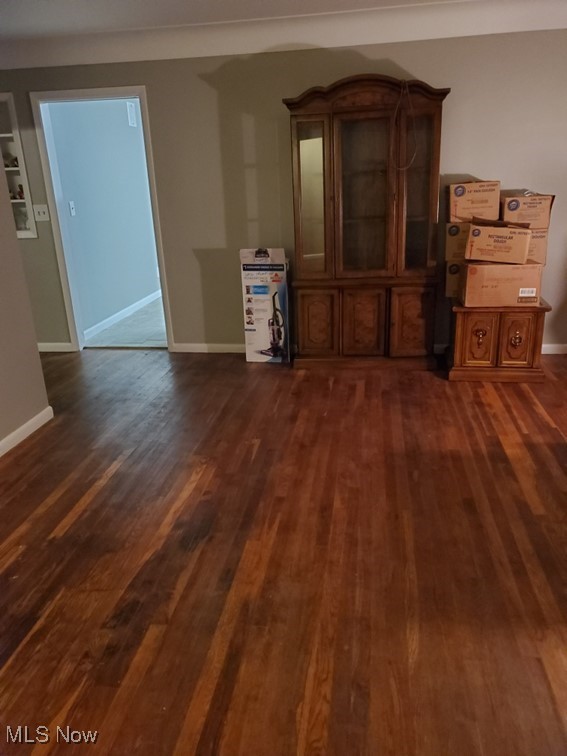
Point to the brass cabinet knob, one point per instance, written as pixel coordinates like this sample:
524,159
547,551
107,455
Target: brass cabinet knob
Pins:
516,340
480,334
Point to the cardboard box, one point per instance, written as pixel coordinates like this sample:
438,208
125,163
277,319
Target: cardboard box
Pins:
498,244
265,304
456,236
486,284
453,273
478,199
524,206
538,245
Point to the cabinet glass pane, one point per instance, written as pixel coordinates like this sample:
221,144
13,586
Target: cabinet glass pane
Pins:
312,196
419,154
365,146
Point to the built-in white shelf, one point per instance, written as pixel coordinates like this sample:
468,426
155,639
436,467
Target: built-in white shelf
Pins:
15,169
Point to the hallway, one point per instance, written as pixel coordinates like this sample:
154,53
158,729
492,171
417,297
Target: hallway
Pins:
144,329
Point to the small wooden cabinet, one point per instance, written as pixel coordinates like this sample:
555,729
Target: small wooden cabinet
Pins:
366,187
497,343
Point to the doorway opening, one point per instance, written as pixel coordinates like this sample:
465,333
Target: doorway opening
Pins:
96,155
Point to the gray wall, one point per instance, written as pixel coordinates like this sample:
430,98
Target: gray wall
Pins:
102,168
22,390
220,136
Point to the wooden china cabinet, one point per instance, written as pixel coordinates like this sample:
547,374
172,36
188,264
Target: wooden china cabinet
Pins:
366,189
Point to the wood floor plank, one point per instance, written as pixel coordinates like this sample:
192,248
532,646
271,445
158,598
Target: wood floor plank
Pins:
202,556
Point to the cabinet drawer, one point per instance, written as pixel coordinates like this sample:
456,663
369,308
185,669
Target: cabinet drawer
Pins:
363,318
479,339
318,332
517,339
412,321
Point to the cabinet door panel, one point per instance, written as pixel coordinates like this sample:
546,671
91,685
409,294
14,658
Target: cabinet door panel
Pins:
418,191
318,322
311,178
363,322
364,190
412,321
517,335
480,339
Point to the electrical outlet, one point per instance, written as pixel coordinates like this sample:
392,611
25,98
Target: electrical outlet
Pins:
41,213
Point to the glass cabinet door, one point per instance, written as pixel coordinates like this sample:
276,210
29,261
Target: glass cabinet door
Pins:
313,254
419,191
364,189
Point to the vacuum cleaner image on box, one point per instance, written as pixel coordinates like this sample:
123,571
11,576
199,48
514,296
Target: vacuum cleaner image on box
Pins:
265,300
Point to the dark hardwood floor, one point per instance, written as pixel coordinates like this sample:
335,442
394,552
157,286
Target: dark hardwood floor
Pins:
200,556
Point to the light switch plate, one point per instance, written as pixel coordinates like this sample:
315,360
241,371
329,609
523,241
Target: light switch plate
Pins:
132,121
41,213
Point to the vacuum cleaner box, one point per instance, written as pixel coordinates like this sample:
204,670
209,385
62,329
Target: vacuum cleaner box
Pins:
265,303
486,284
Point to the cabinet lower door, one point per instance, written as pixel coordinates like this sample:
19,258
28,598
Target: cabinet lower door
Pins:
479,340
363,316
517,338
318,322
412,321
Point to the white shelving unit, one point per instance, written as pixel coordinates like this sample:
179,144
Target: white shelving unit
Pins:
15,169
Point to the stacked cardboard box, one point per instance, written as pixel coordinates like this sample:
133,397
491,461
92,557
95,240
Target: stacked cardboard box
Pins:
467,200
523,206
495,244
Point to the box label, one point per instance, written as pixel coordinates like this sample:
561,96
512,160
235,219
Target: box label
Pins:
527,292
479,199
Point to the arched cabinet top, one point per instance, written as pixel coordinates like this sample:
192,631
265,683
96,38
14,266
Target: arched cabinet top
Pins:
365,91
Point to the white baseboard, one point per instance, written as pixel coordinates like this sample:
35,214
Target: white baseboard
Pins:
554,349
25,430
58,346
209,348
240,348
121,314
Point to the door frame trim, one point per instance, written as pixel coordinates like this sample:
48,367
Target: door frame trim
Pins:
100,93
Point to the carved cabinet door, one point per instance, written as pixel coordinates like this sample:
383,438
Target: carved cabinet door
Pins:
318,311
363,318
412,321
480,339
517,339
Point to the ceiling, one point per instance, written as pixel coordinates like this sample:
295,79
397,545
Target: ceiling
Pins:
39,33
35,18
